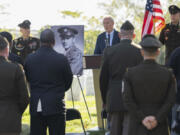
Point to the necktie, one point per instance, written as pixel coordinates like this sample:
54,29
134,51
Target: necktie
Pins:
109,39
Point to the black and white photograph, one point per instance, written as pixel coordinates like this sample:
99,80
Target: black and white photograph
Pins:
69,40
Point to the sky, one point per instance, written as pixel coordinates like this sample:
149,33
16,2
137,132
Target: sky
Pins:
45,12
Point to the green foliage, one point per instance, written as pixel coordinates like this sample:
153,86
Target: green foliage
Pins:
43,28
90,41
120,10
73,14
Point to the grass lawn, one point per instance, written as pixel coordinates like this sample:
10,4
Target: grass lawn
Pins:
75,125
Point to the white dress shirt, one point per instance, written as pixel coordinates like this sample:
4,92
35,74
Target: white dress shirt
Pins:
111,36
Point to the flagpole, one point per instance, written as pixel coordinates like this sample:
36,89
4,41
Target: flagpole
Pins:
153,22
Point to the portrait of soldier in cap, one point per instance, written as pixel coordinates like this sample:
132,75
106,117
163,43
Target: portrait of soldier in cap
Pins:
68,43
25,44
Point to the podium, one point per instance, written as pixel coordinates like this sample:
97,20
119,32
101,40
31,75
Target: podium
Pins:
94,62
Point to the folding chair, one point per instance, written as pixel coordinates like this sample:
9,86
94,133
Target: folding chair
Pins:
104,119
72,114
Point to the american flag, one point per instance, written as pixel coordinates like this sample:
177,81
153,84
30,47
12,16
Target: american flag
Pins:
153,18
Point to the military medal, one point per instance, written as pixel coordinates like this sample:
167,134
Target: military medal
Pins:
18,53
19,47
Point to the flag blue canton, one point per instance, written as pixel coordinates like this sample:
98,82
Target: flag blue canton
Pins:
149,5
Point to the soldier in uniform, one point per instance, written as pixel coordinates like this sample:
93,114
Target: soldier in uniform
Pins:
149,93
116,60
26,44
170,35
14,96
12,57
73,54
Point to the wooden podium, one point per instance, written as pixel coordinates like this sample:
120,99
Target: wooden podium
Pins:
94,62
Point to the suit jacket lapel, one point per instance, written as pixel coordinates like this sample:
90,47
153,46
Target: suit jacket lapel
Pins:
114,37
104,38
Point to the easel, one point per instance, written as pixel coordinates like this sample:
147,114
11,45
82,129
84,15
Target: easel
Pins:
80,85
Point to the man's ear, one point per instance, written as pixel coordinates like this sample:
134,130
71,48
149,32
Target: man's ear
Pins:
158,52
134,35
142,52
6,50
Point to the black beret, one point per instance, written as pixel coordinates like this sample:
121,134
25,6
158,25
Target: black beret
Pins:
7,35
150,41
173,9
25,24
67,32
47,36
3,43
127,26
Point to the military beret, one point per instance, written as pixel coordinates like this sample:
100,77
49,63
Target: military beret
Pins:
173,9
150,41
3,43
7,35
127,26
67,32
25,24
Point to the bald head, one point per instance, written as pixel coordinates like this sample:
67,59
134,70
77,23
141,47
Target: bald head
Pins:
108,24
47,37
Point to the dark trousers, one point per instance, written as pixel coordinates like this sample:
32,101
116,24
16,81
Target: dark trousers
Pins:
116,123
55,124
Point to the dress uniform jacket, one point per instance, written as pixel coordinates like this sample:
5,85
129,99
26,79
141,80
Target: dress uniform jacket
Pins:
101,42
170,37
23,47
149,89
13,96
50,76
116,60
14,58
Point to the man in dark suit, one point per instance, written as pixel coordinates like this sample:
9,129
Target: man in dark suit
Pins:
108,38
116,60
13,93
149,93
50,76
12,57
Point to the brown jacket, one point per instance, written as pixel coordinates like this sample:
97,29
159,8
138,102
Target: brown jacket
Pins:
13,96
116,60
149,89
